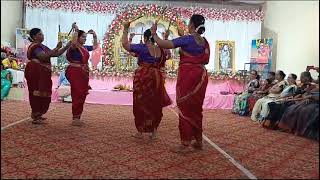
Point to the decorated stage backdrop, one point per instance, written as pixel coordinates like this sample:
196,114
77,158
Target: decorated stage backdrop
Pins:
106,18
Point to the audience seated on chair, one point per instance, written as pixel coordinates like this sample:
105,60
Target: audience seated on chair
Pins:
6,80
260,109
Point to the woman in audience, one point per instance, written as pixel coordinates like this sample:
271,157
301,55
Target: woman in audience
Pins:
297,117
240,100
316,69
303,117
290,89
38,74
312,127
77,72
149,93
261,106
63,88
262,91
278,103
10,62
6,80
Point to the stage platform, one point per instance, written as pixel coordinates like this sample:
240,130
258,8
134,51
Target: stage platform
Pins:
102,93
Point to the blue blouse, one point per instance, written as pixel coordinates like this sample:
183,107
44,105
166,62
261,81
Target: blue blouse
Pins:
143,53
188,44
36,52
76,55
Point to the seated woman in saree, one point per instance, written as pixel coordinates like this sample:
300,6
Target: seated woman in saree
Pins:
263,90
149,93
241,98
77,72
6,80
287,93
261,108
301,117
316,69
11,65
192,81
38,74
10,62
304,91
311,129
63,88
277,108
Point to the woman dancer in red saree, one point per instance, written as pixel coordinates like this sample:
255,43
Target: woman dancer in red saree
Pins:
38,74
77,72
149,93
192,81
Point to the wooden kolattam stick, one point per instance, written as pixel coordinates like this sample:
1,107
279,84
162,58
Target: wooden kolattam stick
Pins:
70,31
136,19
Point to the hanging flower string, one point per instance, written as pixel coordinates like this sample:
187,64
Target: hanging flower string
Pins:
117,8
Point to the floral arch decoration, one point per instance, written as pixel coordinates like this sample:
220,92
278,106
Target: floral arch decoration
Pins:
141,13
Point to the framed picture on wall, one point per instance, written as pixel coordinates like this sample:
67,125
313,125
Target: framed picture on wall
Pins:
22,43
224,56
261,54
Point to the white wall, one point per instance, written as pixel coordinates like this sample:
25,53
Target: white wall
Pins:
11,18
294,25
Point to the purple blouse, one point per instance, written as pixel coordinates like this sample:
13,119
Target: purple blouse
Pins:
188,44
76,55
143,53
38,51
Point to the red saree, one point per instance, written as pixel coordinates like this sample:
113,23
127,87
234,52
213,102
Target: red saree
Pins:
38,76
149,96
191,88
77,74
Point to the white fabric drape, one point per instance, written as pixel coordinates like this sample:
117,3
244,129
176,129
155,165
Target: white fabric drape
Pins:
49,21
242,32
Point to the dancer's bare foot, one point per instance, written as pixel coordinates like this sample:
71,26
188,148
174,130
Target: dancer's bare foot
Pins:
181,149
77,122
154,135
197,145
43,118
138,135
38,120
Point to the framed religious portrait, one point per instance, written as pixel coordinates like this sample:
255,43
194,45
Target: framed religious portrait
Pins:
261,55
224,56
